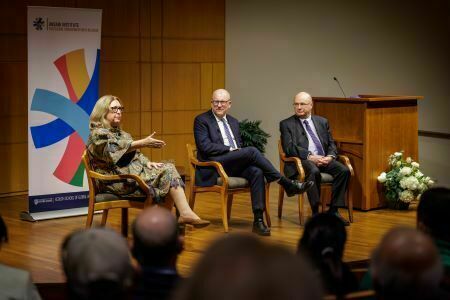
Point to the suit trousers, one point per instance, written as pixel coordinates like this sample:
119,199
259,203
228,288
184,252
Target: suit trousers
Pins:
249,163
341,176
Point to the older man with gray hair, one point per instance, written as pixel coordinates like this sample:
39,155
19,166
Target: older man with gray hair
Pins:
97,264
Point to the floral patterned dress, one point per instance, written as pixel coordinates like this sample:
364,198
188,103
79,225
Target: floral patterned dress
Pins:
108,148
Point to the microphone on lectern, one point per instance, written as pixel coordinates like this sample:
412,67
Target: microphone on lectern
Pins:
342,90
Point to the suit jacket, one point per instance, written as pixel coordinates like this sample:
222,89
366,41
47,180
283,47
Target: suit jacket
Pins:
295,141
210,144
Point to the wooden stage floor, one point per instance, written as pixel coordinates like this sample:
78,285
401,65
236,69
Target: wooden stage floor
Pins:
35,246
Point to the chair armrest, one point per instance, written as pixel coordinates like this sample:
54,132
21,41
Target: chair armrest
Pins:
346,161
218,166
136,178
298,164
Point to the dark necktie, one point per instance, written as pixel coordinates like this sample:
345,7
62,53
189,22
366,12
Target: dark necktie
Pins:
314,138
228,133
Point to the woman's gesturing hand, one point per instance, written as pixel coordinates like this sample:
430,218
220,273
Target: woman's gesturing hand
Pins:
153,143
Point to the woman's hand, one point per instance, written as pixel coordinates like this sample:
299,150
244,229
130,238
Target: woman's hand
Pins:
154,165
150,142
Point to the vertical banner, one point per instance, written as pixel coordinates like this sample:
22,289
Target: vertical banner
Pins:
63,78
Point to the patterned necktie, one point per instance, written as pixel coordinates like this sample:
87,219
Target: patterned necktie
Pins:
314,138
228,133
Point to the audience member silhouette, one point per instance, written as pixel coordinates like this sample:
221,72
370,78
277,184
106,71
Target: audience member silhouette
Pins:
406,265
14,283
241,267
433,219
156,247
323,243
97,264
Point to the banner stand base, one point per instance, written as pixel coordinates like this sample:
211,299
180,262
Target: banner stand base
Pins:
45,215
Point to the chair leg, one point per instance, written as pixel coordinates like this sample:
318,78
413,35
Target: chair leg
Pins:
350,206
324,204
124,223
300,207
267,210
280,200
104,217
192,197
229,205
224,195
90,217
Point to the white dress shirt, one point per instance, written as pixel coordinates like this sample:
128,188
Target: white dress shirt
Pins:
222,131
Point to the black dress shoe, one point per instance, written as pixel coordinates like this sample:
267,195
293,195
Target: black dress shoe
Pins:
260,228
295,187
337,214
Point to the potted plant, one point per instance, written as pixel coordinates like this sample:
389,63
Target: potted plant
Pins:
253,135
404,182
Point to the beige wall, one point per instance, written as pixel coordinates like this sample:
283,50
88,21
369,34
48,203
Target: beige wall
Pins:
277,48
163,58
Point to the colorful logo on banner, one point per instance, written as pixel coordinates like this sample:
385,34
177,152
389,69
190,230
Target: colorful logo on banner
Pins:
72,114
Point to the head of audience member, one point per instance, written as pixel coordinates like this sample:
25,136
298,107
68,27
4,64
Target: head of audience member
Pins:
156,240
406,265
3,232
220,102
323,242
97,264
303,105
242,267
433,213
107,112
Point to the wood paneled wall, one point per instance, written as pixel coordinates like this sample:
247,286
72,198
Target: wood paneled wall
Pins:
163,58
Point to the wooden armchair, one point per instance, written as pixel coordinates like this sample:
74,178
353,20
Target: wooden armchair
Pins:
226,186
106,201
325,186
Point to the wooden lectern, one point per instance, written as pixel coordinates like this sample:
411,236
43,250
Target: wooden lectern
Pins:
368,129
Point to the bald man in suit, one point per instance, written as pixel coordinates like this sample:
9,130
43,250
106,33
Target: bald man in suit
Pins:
309,138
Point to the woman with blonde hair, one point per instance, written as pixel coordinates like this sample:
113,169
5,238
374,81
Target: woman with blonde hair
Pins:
112,151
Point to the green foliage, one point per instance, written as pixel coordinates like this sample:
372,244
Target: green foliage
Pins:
253,135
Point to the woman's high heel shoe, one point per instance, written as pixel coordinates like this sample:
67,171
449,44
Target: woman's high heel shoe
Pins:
197,223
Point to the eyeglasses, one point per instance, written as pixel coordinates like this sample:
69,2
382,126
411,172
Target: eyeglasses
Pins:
115,109
221,102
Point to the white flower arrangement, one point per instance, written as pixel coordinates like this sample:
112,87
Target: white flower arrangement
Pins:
404,182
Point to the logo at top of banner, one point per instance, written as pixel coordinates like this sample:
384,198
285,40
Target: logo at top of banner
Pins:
38,23
72,114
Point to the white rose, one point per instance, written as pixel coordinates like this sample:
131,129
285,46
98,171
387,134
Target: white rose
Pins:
398,154
406,196
405,171
399,163
415,165
382,177
411,183
418,174
409,160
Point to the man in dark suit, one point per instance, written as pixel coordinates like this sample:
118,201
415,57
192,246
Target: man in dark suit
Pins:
309,137
218,139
